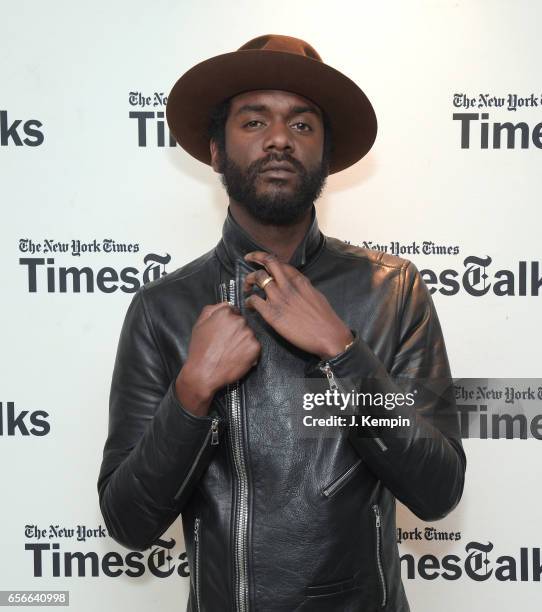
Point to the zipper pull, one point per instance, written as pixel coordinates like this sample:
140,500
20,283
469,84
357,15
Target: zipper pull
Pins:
330,377
196,530
376,510
214,431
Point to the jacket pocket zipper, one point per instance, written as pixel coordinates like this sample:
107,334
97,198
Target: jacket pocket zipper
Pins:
210,439
338,484
197,545
379,564
335,386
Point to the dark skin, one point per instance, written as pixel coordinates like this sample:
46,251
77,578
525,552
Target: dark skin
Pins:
223,347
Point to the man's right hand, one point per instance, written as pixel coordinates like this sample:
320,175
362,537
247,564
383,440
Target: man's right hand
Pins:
222,349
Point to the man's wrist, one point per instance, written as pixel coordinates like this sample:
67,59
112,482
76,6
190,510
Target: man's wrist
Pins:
191,393
338,345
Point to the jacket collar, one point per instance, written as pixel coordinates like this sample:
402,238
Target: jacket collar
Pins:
236,243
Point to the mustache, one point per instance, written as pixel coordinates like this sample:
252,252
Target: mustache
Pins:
256,166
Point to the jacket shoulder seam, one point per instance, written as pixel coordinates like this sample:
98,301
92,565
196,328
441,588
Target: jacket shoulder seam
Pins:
401,300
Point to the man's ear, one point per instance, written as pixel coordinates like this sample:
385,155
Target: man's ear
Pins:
215,155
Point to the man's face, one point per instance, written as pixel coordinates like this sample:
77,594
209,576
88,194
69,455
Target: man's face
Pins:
272,161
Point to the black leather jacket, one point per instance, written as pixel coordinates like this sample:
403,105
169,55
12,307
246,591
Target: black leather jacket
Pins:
272,520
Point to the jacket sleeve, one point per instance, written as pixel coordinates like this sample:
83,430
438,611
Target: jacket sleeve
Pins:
155,449
423,464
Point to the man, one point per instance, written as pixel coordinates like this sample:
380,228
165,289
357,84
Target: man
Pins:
215,358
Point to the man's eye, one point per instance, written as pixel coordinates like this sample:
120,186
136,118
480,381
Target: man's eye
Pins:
252,123
303,127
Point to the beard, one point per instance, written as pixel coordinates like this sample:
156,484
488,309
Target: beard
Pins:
277,206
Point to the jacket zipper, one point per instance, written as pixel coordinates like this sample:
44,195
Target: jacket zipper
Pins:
378,529
197,563
241,506
214,432
337,484
212,435
326,369
335,386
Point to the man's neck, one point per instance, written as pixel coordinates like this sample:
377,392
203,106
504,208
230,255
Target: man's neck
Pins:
278,239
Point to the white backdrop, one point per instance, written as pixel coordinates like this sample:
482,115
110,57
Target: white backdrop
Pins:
72,169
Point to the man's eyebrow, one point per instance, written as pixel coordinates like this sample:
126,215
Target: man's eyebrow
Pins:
298,110
258,108
255,108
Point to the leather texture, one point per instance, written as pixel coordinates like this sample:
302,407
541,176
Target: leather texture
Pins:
305,550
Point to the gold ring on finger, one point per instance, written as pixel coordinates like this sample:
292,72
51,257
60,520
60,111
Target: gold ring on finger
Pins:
266,281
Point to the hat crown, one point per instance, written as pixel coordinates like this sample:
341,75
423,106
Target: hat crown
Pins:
278,42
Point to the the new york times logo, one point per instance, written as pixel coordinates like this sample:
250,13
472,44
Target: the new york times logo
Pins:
499,409
477,280
19,132
151,124
44,275
479,565
22,422
476,128
49,560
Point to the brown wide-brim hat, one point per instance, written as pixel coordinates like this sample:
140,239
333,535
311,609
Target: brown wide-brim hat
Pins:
272,62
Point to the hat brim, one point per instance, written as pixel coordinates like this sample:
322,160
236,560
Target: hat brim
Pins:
203,87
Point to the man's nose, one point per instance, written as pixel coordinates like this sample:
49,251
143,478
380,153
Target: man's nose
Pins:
278,137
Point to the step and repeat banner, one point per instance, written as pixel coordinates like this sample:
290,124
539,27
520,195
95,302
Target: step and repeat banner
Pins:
97,200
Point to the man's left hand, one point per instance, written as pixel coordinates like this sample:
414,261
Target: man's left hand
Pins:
294,308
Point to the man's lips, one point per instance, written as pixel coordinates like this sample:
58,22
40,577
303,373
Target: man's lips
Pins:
279,168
